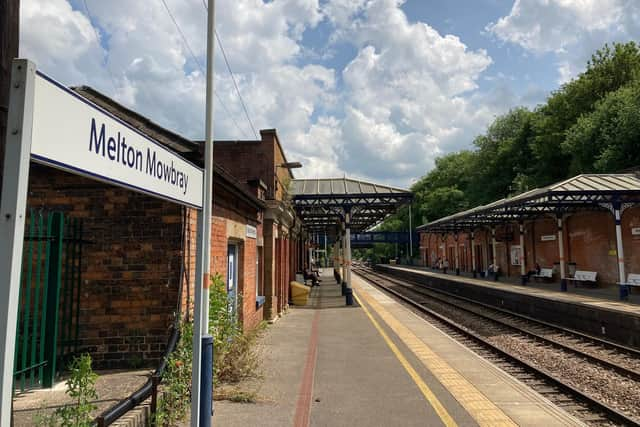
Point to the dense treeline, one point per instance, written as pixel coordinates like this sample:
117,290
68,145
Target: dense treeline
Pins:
590,125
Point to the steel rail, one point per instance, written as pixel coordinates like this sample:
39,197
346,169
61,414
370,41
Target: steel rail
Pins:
612,414
633,374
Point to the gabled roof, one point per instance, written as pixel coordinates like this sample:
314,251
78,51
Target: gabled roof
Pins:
582,192
340,186
322,203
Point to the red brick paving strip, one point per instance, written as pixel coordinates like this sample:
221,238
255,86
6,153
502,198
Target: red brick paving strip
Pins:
303,407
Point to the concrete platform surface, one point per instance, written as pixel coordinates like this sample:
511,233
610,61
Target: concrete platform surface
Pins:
378,364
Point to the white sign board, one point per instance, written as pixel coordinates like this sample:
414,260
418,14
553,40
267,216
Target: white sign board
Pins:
73,134
548,237
252,232
635,231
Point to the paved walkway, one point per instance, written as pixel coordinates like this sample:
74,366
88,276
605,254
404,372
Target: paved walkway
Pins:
601,297
378,364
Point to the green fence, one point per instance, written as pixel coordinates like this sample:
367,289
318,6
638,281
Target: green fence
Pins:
49,309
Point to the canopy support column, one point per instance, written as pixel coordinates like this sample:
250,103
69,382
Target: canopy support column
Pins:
410,238
347,261
523,274
617,212
563,276
473,255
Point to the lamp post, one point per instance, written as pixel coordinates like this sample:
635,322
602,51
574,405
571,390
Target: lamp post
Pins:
285,165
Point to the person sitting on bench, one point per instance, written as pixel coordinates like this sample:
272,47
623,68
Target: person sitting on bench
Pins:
535,272
311,276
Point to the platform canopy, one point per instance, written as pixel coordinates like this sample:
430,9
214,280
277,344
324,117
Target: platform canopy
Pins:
322,203
582,192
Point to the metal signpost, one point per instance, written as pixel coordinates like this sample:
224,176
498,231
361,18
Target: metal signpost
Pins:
53,125
201,378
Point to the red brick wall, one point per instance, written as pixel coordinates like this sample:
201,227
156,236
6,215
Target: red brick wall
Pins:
130,276
589,242
592,244
132,268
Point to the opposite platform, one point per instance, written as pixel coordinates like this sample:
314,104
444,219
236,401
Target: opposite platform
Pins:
378,364
616,320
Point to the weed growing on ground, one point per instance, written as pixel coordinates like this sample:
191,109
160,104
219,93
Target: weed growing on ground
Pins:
176,381
81,388
235,357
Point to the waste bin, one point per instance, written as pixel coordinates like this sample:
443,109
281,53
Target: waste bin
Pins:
299,293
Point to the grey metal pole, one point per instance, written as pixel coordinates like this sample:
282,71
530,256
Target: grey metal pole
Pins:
203,268
12,219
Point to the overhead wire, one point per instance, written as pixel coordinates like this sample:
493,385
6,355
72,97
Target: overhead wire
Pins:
95,31
244,107
233,78
195,59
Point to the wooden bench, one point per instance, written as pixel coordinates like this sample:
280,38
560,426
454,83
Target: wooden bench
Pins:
545,274
584,278
633,280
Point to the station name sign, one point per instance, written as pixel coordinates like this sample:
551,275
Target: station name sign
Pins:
71,133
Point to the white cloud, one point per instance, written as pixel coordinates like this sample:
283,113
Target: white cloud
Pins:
408,94
553,25
570,29
407,91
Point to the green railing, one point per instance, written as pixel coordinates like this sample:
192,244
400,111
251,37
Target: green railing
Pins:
47,329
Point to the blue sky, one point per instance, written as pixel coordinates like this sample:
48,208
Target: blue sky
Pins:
374,89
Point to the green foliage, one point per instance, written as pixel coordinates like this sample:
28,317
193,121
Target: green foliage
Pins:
81,389
175,398
235,357
607,139
589,125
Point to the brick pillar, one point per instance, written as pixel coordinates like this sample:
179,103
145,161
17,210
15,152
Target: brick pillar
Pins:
270,268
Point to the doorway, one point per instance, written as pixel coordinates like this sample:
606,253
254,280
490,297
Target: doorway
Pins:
232,278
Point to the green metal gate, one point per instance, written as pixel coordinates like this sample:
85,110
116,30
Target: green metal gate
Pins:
49,309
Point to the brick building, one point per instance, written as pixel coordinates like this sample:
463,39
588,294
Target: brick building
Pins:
580,213
264,160
138,265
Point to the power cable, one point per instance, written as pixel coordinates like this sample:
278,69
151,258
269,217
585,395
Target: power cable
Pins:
244,107
195,59
95,31
235,84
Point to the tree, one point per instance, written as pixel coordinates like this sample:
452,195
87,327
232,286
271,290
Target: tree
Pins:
607,139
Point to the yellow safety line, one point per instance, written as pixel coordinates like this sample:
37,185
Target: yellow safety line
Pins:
485,412
426,391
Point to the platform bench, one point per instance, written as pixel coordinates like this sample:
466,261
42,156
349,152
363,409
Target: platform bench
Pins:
546,274
633,280
584,278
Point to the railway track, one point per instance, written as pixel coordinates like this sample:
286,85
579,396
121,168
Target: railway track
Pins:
595,380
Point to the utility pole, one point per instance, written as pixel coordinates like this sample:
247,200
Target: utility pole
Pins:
202,365
9,37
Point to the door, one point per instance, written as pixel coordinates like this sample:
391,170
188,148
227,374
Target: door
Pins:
232,278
